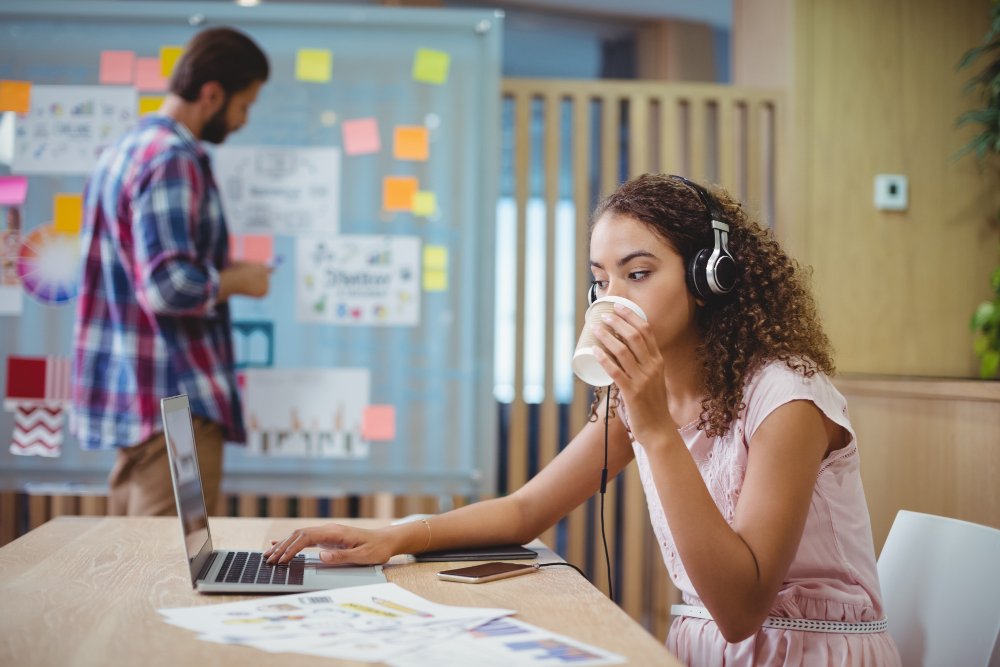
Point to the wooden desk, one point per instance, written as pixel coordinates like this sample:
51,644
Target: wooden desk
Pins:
85,590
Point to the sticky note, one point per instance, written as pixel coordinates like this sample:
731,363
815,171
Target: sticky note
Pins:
117,67
314,65
410,143
148,76
398,193
435,281
67,217
258,248
424,203
15,96
149,104
378,422
169,55
361,136
435,257
13,190
430,66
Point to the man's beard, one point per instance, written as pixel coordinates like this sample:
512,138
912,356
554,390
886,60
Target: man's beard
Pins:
215,129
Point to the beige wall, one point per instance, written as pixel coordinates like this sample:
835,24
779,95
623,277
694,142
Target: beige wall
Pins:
874,90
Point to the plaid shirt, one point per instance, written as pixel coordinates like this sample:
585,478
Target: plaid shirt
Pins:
147,323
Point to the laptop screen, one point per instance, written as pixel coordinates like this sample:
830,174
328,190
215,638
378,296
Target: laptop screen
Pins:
186,478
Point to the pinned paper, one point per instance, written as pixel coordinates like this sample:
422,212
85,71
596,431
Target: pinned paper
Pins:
148,76
430,66
361,136
378,423
435,268
314,65
13,190
398,193
68,213
410,143
424,203
117,67
15,96
150,104
169,55
37,430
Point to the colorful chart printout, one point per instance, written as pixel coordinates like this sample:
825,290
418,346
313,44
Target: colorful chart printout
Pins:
358,280
69,126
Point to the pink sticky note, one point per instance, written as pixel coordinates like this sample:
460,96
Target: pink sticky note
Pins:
378,422
148,78
361,136
258,248
117,67
13,190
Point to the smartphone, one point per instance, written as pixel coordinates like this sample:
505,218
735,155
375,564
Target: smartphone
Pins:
477,574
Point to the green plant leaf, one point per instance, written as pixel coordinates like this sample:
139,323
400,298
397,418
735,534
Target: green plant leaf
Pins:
983,316
989,364
995,280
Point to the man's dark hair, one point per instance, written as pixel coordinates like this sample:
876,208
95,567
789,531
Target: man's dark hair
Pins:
218,54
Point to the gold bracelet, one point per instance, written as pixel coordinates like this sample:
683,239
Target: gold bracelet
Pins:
427,523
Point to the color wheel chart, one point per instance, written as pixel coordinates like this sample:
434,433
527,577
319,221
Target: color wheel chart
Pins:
49,265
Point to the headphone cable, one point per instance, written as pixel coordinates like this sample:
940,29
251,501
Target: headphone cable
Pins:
604,487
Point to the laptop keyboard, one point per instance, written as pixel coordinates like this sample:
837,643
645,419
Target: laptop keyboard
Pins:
249,567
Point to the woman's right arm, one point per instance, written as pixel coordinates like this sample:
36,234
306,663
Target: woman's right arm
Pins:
572,477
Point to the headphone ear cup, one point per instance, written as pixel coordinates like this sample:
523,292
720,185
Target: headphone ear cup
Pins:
592,294
697,281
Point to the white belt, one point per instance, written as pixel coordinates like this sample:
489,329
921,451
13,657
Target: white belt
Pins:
806,624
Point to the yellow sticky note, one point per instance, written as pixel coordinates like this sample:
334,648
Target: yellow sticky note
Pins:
435,281
314,65
424,203
430,66
67,216
435,257
15,96
149,104
169,55
410,143
398,193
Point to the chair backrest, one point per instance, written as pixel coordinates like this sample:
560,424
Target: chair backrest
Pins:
940,582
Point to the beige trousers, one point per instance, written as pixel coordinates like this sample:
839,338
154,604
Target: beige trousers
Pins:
139,483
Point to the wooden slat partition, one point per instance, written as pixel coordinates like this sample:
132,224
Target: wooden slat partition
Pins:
619,130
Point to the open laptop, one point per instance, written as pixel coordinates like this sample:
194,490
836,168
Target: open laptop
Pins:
236,571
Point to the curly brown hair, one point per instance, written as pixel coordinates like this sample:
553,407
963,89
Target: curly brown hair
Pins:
770,313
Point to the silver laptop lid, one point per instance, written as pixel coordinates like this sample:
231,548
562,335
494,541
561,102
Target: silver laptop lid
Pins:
186,478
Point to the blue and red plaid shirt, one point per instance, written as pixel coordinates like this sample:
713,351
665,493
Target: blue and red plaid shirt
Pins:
148,324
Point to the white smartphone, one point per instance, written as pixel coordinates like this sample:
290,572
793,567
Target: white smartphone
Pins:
477,574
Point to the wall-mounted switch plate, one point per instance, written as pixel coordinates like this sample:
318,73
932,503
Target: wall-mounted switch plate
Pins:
891,192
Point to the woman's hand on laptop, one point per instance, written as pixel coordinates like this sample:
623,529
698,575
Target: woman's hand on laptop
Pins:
340,545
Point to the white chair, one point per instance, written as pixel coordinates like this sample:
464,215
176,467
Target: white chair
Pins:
941,586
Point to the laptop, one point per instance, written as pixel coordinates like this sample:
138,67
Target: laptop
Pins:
236,572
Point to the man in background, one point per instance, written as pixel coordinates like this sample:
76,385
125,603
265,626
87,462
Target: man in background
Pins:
152,318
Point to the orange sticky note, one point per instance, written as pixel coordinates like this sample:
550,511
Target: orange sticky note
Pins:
148,77
149,104
410,143
67,217
15,96
258,248
169,55
398,192
117,67
378,422
361,136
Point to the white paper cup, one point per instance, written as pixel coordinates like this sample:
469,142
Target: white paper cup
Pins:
584,364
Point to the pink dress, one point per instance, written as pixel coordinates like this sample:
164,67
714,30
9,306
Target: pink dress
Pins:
833,575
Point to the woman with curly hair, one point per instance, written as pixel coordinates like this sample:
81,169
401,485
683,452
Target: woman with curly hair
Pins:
747,457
